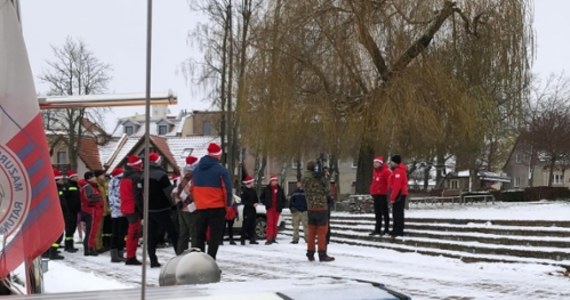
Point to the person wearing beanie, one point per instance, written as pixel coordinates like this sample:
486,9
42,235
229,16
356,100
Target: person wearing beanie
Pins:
72,194
212,193
119,222
130,193
186,207
249,200
379,191
160,204
273,197
398,193
316,191
92,205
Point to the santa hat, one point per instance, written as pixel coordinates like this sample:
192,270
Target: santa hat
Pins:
72,173
214,149
190,160
248,179
133,160
379,159
57,174
273,177
154,157
118,171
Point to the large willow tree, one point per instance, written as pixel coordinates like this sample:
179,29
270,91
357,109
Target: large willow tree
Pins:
359,77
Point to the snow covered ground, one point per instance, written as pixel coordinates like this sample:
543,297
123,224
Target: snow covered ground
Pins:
420,276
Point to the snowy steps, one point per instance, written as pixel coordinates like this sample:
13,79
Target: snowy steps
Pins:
543,242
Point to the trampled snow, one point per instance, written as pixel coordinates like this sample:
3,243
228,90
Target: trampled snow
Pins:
414,274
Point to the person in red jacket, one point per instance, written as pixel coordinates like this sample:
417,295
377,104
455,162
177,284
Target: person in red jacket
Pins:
398,193
131,205
378,191
93,202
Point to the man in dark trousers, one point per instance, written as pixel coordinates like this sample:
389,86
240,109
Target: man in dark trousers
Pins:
130,191
53,252
273,197
73,200
159,206
249,200
212,192
398,193
378,191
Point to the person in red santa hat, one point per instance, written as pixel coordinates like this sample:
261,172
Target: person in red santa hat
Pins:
130,191
212,193
273,197
119,222
378,191
249,200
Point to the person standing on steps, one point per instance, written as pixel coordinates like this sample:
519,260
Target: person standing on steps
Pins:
315,184
379,191
398,194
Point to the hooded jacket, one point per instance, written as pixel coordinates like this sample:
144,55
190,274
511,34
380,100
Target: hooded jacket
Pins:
211,185
380,176
130,189
398,182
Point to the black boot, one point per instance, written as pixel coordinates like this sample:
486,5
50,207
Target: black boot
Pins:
253,242
122,255
54,255
91,252
69,246
115,256
232,241
155,264
324,257
132,261
311,255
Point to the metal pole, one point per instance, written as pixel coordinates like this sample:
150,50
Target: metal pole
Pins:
146,144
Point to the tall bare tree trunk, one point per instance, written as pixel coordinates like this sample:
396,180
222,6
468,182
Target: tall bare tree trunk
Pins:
230,113
223,122
364,171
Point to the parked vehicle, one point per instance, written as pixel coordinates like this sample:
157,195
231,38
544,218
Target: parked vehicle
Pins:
260,221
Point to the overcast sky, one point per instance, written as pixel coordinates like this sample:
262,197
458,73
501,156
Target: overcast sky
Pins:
116,32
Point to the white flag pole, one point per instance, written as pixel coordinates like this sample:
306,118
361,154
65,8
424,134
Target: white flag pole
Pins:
146,144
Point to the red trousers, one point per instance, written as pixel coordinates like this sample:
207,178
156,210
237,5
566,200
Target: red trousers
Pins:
272,219
320,232
96,218
133,238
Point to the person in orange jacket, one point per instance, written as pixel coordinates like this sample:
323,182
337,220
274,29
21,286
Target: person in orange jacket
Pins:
398,193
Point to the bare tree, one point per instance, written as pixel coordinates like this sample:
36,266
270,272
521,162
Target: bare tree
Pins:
74,70
547,125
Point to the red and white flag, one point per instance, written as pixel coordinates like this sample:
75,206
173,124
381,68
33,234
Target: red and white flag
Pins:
30,213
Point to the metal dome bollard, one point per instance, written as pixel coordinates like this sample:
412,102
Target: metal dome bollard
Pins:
197,267
191,267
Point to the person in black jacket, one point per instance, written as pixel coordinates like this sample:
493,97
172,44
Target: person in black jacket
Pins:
249,200
298,207
273,197
73,199
159,205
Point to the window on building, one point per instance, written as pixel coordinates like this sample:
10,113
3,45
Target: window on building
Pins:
518,158
454,184
355,163
129,130
207,128
517,182
61,157
162,129
558,179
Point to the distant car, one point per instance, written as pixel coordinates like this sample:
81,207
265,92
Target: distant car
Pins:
260,220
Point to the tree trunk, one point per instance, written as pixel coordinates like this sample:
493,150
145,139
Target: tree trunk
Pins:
364,171
230,113
551,171
260,171
439,169
223,92
427,169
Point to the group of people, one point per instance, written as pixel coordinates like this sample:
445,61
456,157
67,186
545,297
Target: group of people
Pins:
112,210
389,183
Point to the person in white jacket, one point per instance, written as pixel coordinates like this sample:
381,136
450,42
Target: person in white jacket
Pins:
186,207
